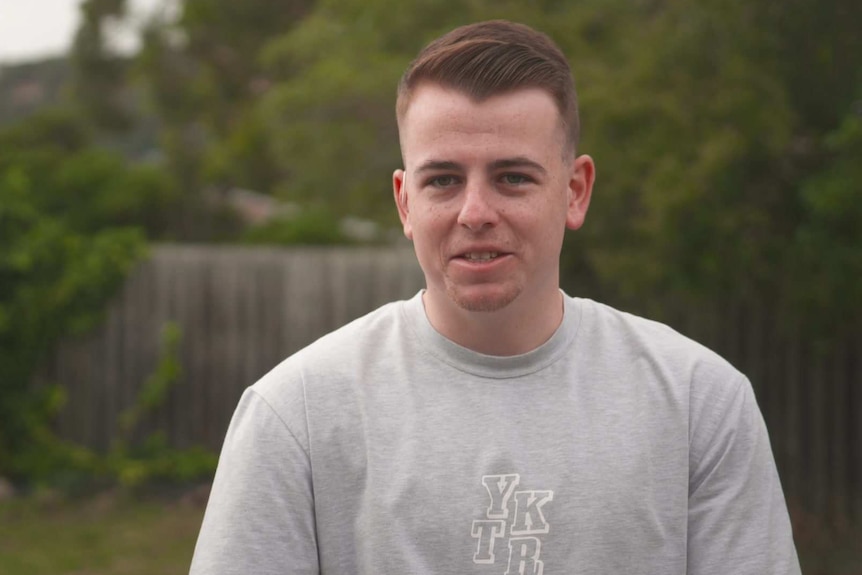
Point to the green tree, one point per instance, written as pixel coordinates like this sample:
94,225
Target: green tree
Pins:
331,116
729,158
61,257
86,187
100,80
204,77
723,130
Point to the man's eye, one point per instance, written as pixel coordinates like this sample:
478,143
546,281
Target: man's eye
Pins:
442,181
514,179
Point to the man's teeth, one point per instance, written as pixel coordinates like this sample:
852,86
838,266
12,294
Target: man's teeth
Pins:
481,256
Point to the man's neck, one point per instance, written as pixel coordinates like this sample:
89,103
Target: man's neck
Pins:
516,329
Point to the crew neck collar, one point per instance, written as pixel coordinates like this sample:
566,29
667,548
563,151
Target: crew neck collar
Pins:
492,366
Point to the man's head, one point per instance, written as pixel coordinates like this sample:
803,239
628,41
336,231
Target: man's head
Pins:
492,58
491,181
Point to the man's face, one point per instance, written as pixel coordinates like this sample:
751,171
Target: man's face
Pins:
486,194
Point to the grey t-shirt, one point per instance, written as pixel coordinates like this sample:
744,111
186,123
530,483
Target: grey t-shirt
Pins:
616,447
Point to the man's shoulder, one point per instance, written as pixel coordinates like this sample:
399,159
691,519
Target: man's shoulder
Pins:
355,334
618,332
337,353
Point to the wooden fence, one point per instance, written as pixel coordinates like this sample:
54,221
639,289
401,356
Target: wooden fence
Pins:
242,310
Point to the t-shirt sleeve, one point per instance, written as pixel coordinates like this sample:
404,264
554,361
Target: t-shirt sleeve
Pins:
737,517
260,514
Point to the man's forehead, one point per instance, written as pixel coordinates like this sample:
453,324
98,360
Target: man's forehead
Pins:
443,124
433,96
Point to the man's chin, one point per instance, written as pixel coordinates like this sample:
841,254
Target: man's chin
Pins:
482,300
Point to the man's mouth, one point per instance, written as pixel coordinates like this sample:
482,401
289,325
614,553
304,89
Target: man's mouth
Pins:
480,256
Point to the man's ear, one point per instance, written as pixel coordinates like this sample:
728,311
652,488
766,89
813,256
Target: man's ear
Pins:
581,181
401,201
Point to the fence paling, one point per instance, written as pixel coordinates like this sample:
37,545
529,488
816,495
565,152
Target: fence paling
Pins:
242,310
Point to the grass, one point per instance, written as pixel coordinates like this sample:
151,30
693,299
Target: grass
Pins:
117,534
107,534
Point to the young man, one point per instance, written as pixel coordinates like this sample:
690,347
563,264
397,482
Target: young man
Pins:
493,424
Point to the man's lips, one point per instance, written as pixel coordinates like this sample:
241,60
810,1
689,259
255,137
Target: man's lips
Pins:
480,256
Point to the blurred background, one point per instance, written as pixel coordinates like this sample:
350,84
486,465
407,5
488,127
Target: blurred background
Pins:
190,190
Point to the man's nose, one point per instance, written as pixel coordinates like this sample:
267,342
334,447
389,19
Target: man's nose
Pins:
478,209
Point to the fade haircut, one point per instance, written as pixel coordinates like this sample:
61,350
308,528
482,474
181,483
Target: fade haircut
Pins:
492,58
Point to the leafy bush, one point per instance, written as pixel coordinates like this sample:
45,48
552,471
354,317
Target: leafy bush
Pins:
153,460
73,220
54,282
85,187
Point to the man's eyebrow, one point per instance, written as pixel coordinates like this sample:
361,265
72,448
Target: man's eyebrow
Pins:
501,164
517,162
439,165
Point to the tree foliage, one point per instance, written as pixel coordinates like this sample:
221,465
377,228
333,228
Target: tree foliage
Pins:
726,157
60,260
100,79
86,187
204,77
727,135
725,132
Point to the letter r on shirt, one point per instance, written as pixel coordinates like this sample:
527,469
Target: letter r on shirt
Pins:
524,556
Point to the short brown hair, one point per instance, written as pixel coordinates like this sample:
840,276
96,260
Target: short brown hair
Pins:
490,58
